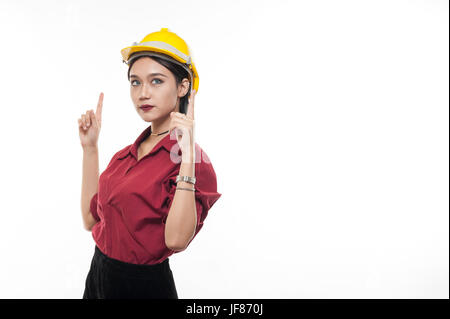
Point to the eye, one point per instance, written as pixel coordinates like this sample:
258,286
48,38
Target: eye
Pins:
160,81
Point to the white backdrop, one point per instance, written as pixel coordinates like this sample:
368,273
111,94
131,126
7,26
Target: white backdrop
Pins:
327,123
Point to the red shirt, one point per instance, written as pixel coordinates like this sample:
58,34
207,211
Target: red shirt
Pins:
134,198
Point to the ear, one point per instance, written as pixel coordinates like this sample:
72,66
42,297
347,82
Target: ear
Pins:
183,88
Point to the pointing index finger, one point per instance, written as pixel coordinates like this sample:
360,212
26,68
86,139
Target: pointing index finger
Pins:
190,110
98,113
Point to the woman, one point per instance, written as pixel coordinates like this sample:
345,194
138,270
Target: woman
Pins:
154,195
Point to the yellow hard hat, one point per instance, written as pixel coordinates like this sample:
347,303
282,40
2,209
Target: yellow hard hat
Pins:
166,45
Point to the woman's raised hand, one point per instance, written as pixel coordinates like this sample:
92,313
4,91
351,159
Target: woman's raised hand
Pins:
89,125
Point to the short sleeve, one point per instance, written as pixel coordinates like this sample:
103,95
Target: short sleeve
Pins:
94,199
205,193
93,207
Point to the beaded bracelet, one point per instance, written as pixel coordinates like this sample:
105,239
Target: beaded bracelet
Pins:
185,188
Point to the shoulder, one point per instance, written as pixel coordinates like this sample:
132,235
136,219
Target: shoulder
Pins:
203,165
206,180
123,151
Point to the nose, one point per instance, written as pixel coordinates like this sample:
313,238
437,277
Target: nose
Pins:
145,92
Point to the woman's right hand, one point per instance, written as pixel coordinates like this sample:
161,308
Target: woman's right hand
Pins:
89,125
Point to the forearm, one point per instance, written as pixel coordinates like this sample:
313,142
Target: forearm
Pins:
89,184
182,218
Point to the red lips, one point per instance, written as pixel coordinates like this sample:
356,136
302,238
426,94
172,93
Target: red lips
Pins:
146,106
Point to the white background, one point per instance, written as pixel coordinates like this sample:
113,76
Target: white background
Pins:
327,123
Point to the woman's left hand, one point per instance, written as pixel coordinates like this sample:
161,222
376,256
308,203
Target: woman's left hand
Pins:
183,125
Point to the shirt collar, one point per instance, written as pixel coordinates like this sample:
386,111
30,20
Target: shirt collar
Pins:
166,143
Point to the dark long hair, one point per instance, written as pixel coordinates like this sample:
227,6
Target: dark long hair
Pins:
179,74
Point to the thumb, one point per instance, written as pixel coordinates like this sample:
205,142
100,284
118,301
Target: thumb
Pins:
93,119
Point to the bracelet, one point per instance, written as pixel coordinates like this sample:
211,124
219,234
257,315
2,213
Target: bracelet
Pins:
185,188
188,179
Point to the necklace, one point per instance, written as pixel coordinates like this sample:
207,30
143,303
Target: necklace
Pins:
156,134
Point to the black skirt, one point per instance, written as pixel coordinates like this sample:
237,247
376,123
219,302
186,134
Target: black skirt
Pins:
114,279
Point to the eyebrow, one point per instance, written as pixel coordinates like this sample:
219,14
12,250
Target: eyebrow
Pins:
151,74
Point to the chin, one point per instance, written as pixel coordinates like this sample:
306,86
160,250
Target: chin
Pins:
147,118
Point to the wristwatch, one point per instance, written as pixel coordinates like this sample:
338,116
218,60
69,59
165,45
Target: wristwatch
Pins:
188,179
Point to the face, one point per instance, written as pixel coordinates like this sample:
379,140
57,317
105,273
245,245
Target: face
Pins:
152,83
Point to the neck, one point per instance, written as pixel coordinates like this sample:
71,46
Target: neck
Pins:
161,125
